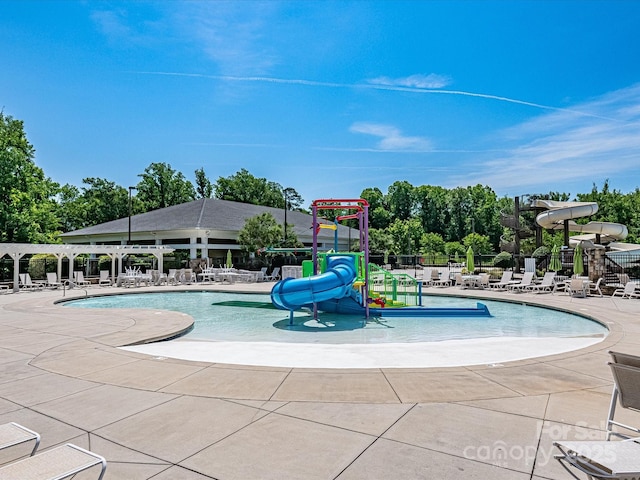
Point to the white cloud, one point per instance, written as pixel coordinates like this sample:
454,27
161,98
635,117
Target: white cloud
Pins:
432,80
392,139
561,147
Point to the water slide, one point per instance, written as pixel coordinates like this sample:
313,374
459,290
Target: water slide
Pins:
556,213
335,283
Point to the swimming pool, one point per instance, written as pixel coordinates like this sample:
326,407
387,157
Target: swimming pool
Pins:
234,317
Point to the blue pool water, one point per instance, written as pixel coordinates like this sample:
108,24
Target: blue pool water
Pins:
216,320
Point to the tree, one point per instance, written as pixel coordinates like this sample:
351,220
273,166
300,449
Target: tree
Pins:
27,206
400,200
406,236
259,232
479,243
245,188
380,241
161,186
204,187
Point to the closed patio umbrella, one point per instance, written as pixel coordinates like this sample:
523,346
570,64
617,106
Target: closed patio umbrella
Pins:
578,265
470,265
554,264
229,260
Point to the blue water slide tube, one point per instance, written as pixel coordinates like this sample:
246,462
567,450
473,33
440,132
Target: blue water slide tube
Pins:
336,282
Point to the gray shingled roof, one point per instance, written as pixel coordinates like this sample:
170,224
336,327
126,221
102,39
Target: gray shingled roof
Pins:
206,213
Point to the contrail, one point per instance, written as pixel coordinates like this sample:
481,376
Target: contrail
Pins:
372,86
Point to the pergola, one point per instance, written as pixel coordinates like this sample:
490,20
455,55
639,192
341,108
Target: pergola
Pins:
115,252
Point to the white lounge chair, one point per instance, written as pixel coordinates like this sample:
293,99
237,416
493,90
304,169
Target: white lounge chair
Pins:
187,277
504,282
629,291
52,280
172,276
275,275
12,434
27,284
546,285
55,464
595,287
105,280
78,277
527,279
443,280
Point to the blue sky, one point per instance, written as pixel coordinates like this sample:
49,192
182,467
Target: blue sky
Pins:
330,97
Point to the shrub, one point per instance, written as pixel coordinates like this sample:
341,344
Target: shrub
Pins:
42,263
540,252
503,260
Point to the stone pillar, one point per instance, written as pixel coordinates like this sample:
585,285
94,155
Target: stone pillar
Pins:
596,263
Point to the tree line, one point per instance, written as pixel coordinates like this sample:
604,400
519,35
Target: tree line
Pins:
407,219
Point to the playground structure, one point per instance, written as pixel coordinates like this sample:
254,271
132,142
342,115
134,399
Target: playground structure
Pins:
346,283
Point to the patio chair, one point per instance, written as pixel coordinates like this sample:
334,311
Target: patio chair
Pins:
626,391
52,280
57,463
104,281
484,280
505,281
527,279
79,279
577,288
629,291
546,285
275,275
12,434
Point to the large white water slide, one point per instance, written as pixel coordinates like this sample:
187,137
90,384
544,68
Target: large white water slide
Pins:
556,213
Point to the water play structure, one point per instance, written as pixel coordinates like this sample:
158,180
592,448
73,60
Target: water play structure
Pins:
346,283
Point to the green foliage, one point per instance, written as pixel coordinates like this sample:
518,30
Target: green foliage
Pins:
503,260
161,186
432,243
27,207
204,187
406,235
479,243
451,248
380,241
259,232
245,188
42,263
541,252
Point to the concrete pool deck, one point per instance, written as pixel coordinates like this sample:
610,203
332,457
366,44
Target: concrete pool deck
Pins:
155,417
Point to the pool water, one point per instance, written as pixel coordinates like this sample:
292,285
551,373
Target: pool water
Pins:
232,317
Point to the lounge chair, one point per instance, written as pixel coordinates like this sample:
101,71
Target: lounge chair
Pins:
57,463
595,287
577,287
275,275
27,284
504,282
610,459
187,276
546,285
172,277
104,281
12,434
79,280
52,280
527,279
629,291
626,391
443,280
